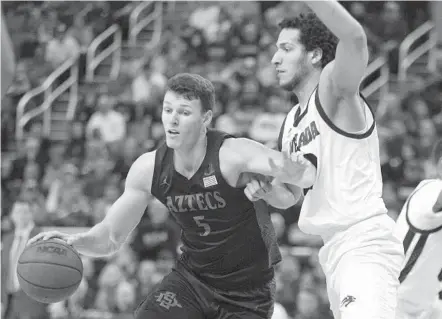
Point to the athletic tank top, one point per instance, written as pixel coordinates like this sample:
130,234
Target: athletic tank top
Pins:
348,185
420,229
228,241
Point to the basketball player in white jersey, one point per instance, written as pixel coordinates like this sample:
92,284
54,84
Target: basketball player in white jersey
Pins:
419,226
322,58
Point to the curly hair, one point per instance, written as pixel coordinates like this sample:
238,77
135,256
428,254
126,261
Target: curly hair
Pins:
313,34
192,87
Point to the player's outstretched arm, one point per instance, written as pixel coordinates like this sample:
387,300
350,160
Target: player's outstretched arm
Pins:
106,237
253,157
346,72
276,194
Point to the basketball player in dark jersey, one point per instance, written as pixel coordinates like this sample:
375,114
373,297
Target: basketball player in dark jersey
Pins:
229,247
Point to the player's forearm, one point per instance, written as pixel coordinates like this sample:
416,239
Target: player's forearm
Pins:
337,19
96,242
281,197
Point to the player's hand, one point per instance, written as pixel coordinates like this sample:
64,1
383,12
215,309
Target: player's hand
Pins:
292,168
69,239
257,189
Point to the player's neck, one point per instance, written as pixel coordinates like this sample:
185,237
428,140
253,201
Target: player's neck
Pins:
305,88
187,161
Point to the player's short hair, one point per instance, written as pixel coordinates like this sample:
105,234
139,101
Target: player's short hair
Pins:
313,34
193,86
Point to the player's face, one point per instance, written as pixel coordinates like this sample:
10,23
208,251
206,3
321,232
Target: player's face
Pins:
291,59
183,120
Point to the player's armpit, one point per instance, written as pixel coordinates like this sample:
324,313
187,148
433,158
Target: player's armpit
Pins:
348,68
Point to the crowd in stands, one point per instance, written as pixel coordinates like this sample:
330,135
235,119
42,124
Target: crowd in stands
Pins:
73,183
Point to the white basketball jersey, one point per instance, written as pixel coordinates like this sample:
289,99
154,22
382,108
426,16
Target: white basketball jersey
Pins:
348,185
420,229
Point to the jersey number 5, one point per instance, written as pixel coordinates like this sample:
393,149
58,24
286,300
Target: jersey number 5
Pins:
198,220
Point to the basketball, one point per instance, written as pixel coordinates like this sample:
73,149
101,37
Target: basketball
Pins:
49,271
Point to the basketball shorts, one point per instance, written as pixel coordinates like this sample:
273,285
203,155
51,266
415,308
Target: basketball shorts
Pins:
180,295
362,266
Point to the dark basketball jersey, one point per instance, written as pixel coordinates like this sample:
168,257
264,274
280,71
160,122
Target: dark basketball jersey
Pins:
228,241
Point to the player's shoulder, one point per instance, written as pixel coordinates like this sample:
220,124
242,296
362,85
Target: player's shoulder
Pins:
424,186
231,148
328,90
237,146
419,208
237,151
141,172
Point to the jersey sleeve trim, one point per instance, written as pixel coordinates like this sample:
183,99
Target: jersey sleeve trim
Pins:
281,134
407,217
314,160
337,129
161,179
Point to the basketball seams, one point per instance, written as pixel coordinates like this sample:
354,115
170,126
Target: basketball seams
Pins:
39,286
49,263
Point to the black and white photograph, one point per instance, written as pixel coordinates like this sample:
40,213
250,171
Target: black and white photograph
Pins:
221,159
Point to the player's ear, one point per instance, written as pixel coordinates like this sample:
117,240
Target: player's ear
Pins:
316,56
207,118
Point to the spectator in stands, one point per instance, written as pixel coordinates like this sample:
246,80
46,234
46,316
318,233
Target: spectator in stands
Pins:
21,83
108,281
266,125
130,152
83,33
95,151
17,305
110,124
391,28
102,204
8,110
38,69
307,302
32,152
54,168
76,145
98,178
62,47
288,276
146,270
90,275
156,233
77,300
48,23
125,298
66,203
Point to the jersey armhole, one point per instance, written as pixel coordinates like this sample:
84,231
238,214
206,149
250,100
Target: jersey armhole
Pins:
160,179
338,130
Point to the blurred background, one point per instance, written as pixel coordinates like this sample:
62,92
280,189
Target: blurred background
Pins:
86,102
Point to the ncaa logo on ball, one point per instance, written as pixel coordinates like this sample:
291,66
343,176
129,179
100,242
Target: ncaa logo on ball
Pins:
52,250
